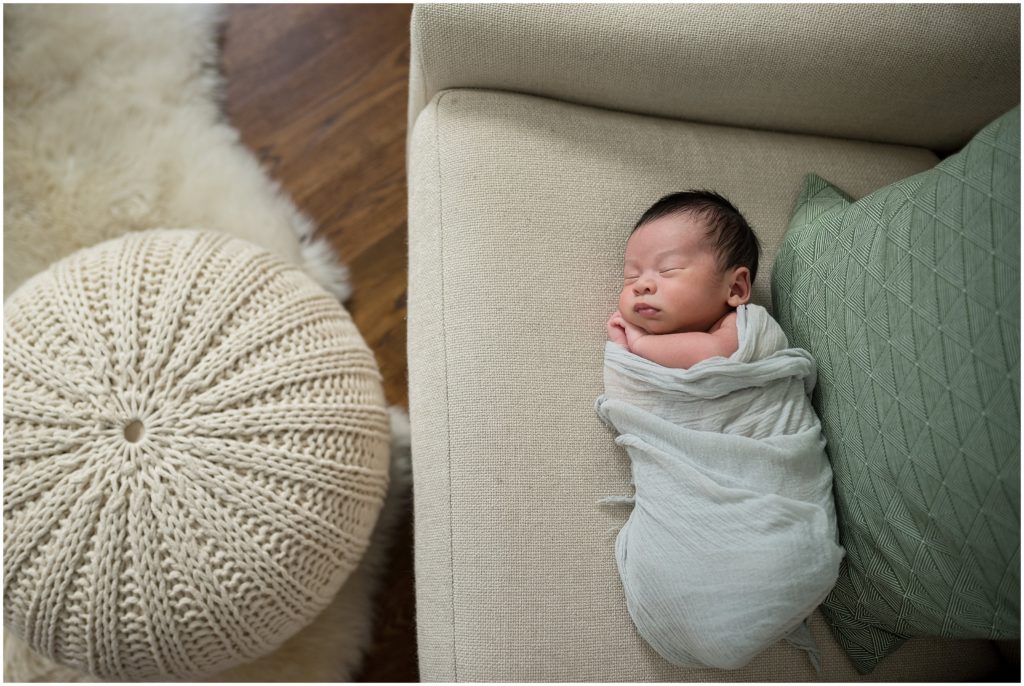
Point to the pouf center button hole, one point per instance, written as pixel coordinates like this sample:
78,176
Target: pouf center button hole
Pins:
134,431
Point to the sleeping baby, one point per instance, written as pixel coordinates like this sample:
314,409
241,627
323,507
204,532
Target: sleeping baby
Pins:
689,264
732,539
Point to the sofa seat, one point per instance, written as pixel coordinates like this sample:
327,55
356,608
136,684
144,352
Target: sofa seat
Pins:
518,214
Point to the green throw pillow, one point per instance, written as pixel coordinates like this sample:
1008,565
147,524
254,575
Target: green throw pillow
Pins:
909,300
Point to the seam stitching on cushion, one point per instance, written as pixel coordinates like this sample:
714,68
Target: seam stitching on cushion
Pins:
447,402
428,86
425,99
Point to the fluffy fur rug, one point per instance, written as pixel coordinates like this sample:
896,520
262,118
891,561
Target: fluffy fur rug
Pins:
113,123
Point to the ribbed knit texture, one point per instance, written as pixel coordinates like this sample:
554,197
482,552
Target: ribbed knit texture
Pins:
195,454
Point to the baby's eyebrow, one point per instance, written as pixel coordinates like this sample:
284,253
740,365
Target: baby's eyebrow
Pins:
674,252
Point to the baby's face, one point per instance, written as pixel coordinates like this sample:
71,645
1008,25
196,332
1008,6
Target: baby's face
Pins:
672,283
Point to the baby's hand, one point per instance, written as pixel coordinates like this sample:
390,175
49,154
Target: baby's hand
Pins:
617,329
633,334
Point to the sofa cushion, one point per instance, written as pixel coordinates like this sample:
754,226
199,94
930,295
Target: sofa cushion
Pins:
909,301
518,215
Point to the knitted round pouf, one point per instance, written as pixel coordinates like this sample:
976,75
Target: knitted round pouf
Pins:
195,454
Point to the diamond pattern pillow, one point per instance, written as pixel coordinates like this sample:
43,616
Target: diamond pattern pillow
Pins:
909,299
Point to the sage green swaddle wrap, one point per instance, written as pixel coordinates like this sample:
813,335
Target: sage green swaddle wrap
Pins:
732,540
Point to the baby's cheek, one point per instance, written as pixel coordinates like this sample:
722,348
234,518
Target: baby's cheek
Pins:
624,303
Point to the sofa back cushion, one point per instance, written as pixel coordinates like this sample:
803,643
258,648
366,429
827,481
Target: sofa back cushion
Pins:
867,72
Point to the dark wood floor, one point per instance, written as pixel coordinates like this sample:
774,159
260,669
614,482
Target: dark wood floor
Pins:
319,92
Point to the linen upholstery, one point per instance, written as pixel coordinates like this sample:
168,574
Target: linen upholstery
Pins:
926,75
920,280
519,209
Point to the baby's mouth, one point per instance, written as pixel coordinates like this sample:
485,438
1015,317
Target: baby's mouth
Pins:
645,310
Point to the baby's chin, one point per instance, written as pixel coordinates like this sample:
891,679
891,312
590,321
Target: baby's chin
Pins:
646,325
658,327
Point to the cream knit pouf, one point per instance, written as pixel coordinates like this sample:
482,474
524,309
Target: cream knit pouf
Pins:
195,454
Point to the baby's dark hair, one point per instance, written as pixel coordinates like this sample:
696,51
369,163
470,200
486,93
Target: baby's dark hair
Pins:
731,237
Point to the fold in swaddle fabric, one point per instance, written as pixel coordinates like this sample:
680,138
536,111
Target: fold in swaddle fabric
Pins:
732,540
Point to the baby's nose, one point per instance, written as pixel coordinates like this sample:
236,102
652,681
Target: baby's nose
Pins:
644,284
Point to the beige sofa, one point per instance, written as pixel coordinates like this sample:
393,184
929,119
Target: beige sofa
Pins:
537,135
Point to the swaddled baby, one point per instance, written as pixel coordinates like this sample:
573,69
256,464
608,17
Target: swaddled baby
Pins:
732,540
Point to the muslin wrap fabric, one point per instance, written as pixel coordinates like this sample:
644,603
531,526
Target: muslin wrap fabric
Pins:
196,451
732,540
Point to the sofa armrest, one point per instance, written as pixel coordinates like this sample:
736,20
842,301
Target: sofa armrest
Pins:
921,75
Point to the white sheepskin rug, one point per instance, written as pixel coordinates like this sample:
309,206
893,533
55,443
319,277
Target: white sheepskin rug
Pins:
113,123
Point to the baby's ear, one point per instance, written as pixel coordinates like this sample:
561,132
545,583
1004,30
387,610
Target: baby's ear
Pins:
739,287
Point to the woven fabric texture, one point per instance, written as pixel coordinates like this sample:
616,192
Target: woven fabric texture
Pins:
519,212
909,301
195,454
867,72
